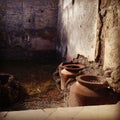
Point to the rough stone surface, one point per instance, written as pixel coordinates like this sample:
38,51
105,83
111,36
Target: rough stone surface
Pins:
105,112
77,29
110,34
26,26
112,43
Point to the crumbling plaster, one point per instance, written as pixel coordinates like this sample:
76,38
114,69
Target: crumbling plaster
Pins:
92,28
110,9
77,22
101,112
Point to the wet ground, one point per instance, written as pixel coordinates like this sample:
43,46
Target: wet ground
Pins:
37,80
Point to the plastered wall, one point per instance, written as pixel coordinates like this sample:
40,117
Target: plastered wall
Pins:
77,22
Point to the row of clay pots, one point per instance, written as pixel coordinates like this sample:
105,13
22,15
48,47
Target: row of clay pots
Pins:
86,90
68,70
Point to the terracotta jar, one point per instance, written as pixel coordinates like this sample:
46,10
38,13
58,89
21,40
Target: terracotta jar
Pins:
69,70
61,66
88,90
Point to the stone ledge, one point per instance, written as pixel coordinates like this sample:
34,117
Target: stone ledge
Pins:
102,112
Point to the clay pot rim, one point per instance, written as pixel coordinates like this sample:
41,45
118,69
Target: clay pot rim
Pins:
64,63
97,82
74,67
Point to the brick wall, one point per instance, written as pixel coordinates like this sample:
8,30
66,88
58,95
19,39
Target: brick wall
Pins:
26,26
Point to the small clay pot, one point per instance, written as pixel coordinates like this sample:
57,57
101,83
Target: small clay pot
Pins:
87,90
61,66
68,70
10,90
74,67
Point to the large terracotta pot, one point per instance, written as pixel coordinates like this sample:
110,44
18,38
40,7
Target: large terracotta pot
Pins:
68,70
88,90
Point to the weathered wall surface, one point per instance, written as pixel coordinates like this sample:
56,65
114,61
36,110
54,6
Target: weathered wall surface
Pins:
27,25
92,28
77,24
110,34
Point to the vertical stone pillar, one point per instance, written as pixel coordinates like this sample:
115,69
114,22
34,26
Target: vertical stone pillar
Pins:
111,35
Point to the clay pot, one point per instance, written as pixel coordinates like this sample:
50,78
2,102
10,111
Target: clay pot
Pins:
87,90
68,70
74,67
65,75
10,90
61,66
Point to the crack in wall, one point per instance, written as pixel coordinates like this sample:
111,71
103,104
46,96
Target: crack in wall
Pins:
100,42
111,34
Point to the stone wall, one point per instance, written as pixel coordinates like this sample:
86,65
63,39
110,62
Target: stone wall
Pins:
77,24
110,35
26,26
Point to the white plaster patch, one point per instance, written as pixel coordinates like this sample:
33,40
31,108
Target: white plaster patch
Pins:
80,22
66,3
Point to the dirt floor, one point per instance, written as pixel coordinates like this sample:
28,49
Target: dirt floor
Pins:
41,89
37,80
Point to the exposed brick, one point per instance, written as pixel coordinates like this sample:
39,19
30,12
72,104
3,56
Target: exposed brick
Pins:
24,23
